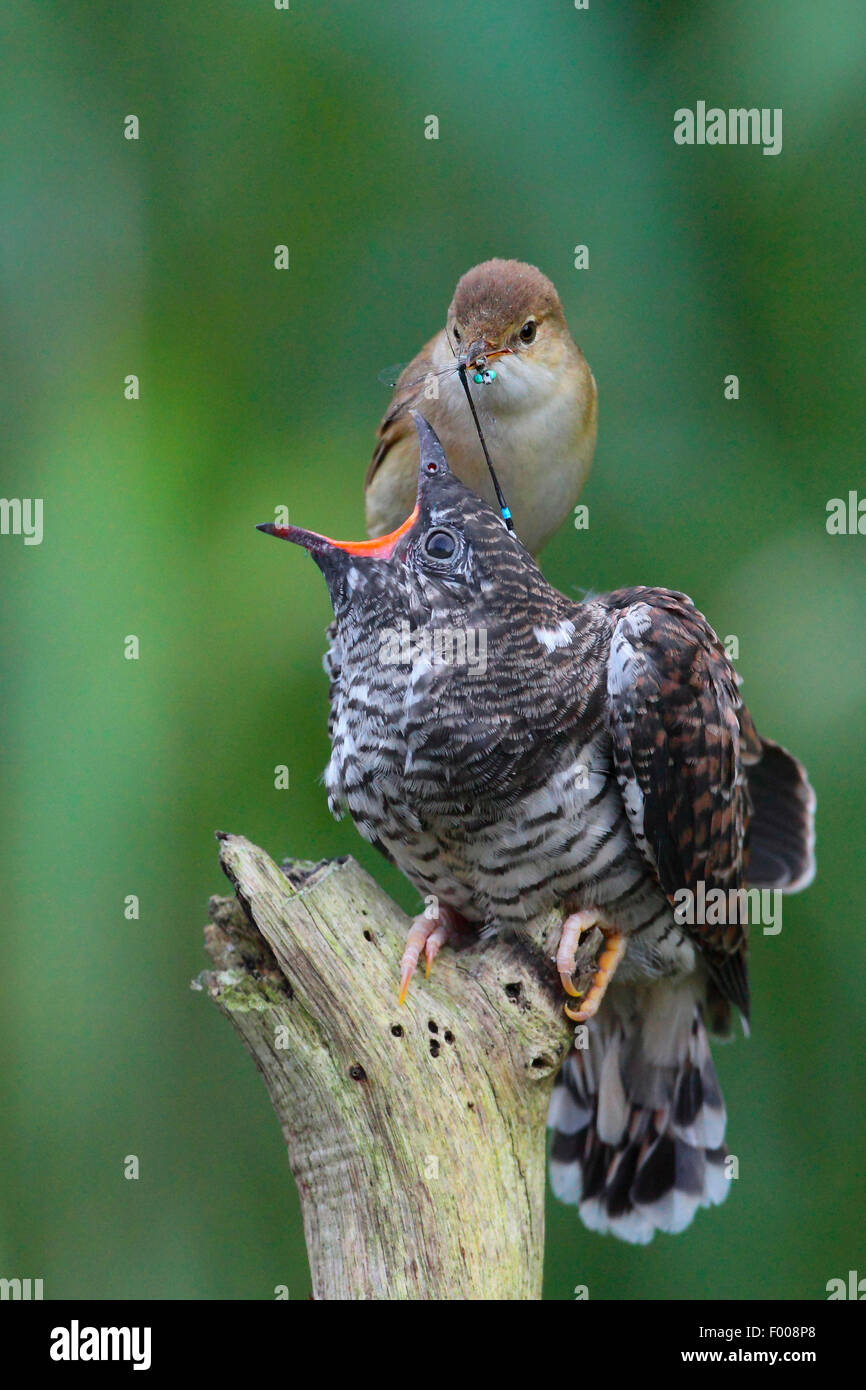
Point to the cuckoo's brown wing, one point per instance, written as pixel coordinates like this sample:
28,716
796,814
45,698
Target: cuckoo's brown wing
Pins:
682,741
408,391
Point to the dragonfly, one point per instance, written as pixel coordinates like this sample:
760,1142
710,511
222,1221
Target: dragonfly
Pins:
482,376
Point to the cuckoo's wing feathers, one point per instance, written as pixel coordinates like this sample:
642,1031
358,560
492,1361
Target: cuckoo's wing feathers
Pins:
682,740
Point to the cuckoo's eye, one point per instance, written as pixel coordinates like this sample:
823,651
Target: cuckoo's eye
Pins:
456,332
528,331
439,544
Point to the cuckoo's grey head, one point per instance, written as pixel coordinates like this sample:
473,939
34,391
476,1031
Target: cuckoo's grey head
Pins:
451,555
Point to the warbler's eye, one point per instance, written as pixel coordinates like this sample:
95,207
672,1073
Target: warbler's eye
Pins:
528,331
456,332
439,545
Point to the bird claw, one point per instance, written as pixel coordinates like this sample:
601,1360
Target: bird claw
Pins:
575,926
427,935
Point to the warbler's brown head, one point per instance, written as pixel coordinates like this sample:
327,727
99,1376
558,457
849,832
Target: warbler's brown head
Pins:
504,307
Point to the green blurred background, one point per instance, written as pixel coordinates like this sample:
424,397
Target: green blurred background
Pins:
261,388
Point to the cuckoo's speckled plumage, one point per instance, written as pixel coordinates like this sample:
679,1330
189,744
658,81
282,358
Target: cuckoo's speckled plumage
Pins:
598,761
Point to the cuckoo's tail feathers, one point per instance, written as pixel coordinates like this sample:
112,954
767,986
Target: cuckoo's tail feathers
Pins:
638,1119
782,823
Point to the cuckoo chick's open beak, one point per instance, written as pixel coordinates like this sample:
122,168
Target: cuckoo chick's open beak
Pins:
381,548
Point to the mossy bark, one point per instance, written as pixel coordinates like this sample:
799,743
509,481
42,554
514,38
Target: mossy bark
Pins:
416,1135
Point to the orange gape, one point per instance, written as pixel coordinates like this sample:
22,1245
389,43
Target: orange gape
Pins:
379,549
382,546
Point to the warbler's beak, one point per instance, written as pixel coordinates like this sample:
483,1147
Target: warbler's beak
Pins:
381,548
481,348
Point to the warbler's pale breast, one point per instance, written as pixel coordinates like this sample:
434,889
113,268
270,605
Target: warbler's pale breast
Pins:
536,404
539,419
